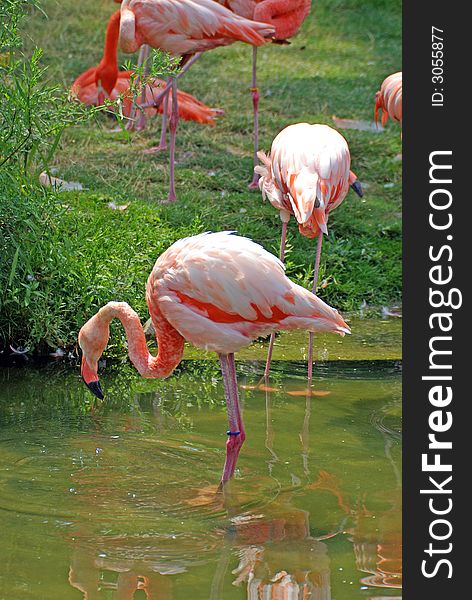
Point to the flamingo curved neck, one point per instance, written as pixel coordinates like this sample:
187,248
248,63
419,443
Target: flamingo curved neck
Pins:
106,72
170,342
110,53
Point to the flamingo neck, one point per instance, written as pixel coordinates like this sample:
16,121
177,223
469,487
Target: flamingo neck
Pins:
110,53
107,70
170,342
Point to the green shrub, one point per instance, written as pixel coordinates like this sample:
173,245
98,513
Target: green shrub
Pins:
59,264
33,116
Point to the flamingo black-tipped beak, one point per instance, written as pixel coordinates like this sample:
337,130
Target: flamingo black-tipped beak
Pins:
96,389
356,186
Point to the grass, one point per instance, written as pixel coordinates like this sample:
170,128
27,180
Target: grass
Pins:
333,67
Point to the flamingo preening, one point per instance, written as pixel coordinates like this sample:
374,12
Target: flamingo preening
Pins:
287,17
388,100
219,292
307,175
106,81
184,28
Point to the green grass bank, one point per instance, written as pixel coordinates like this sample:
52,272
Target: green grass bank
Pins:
72,252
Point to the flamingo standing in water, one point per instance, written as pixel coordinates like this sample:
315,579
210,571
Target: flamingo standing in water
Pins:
307,175
106,81
287,17
184,28
388,100
219,292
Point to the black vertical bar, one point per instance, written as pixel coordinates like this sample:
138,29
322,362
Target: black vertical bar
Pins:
428,127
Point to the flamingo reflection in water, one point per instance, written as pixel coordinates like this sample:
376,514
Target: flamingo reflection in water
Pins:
278,556
377,536
99,577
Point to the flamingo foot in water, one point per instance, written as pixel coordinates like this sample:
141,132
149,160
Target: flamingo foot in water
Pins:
309,393
236,433
259,387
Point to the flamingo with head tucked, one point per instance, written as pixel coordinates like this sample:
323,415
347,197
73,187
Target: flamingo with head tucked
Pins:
307,175
184,28
106,81
219,292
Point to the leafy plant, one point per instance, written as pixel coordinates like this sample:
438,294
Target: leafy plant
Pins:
33,113
158,64
33,116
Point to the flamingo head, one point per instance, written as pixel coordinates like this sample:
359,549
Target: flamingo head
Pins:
355,184
93,338
105,79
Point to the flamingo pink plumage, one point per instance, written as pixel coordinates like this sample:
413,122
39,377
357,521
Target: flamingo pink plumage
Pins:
219,292
307,175
183,28
388,100
287,17
106,81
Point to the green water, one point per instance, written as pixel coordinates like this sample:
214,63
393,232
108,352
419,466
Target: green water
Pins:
121,501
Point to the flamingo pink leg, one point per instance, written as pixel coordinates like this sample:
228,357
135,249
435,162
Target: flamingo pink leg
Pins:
174,119
164,96
143,59
272,336
155,102
255,102
236,433
163,140
144,52
315,285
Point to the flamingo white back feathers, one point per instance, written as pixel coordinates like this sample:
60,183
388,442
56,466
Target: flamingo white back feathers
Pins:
221,291
186,26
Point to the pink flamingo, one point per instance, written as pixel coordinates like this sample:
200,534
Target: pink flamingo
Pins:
307,175
388,99
219,292
106,81
287,17
184,28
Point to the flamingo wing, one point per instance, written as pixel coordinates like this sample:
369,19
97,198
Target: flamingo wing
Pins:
190,108
244,8
286,16
79,90
388,99
186,26
221,291
84,87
